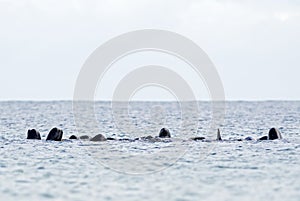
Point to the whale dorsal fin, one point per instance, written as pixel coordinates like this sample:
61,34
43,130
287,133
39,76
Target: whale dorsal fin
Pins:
219,135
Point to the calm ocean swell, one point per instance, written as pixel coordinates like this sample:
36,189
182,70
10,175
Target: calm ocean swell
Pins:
81,170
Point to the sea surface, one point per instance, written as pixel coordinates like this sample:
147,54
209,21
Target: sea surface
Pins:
176,169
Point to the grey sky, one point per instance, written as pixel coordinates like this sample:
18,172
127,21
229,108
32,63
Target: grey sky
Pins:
255,45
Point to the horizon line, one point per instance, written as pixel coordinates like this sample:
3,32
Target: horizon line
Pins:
107,100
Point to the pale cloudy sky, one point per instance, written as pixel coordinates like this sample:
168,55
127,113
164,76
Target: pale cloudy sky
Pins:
254,44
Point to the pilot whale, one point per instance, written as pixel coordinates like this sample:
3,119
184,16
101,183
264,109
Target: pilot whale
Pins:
273,134
55,134
73,137
33,134
98,138
164,133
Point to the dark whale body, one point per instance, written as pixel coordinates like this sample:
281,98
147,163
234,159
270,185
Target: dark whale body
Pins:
55,134
274,134
248,138
33,134
263,138
110,138
98,138
73,137
164,133
150,139
198,138
84,137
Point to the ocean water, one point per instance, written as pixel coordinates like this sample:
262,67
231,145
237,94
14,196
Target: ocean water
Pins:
177,169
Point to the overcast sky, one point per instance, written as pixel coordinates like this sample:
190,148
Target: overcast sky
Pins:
254,44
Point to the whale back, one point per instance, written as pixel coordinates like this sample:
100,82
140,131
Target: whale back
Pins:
249,138
98,138
84,137
73,137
